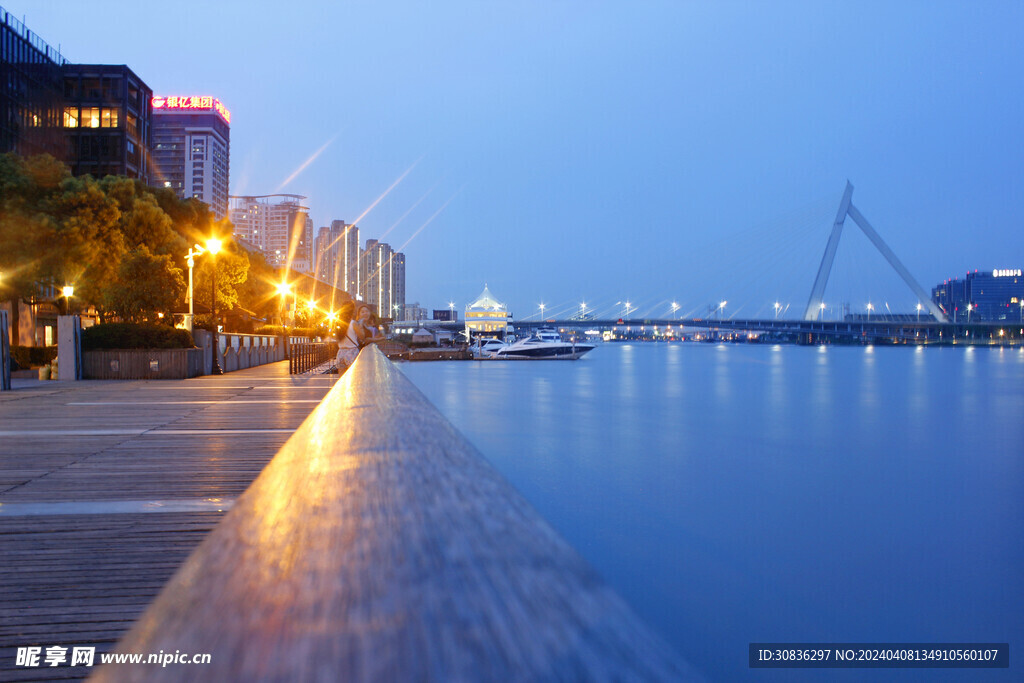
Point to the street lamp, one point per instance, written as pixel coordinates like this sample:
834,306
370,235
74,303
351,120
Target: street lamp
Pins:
451,307
213,246
542,307
970,307
721,309
68,291
583,310
194,251
919,312
821,316
675,309
628,305
777,307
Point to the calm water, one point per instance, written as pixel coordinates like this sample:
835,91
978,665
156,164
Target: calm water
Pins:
736,494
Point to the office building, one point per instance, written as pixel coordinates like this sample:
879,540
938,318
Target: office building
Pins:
278,225
31,92
107,121
992,295
192,149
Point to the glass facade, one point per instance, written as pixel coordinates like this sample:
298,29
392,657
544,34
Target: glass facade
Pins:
993,296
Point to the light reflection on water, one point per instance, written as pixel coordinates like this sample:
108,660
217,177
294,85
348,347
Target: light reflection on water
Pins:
736,494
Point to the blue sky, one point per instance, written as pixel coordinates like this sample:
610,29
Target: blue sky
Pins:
649,151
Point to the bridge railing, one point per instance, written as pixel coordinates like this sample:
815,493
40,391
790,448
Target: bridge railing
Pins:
303,357
378,544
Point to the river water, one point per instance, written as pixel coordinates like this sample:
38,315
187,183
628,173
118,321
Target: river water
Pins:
744,493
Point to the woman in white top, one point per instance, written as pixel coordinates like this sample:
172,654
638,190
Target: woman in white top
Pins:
357,333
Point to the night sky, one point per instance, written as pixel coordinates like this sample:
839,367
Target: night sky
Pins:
567,151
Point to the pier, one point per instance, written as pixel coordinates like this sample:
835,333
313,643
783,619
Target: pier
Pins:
375,542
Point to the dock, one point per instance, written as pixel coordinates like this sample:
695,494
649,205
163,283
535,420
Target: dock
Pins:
106,487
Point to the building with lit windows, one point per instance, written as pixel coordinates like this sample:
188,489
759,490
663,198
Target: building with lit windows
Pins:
192,149
993,296
31,92
487,316
107,121
337,256
383,273
278,225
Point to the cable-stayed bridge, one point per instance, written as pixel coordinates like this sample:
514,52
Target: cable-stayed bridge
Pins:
930,324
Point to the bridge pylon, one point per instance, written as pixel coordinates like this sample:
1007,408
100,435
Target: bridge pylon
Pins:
846,208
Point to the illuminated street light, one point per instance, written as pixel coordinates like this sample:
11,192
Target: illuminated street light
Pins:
777,307
542,307
68,291
628,308
822,307
213,246
721,309
919,307
970,307
675,308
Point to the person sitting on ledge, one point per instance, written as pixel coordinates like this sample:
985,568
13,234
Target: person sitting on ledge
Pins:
354,333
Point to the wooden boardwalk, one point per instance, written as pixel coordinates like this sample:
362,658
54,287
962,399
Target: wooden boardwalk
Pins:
106,488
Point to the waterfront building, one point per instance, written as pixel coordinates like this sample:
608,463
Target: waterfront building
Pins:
107,120
414,312
277,225
31,92
337,256
993,295
192,149
487,315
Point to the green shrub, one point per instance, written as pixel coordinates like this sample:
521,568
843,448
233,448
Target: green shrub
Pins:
135,336
33,356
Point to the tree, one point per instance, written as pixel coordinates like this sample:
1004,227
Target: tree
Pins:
146,283
232,271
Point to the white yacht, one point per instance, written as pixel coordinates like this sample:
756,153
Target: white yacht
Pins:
486,348
545,344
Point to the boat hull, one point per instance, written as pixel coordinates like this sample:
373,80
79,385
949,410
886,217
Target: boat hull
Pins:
545,352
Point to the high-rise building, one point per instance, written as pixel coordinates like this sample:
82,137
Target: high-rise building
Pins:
278,226
107,121
31,92
192,149
337,256
992,295
383,276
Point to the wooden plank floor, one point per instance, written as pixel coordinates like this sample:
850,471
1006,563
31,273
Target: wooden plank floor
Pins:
106,488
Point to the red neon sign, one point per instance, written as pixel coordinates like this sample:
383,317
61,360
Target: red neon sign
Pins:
192,102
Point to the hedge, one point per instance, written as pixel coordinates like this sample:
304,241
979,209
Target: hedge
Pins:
135,336
33,356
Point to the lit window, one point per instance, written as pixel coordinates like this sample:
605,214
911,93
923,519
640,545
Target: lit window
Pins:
71,117
110,118
90,117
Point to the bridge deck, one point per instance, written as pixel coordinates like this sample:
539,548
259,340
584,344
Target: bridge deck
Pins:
106,487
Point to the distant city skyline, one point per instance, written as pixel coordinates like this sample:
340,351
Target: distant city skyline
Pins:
686,153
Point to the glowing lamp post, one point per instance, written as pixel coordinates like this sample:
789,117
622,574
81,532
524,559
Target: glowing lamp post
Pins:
721,309
213,246
970,307
194,251
919,312
675,310
542,307
777,307
68,291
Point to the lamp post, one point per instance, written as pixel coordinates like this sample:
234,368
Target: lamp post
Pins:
822,306
542,307
675,311
68,291
777,307
970,307
583,310
194,251
721,309
213,246
628,308
284,289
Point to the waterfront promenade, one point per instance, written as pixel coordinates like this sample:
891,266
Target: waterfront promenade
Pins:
106,487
